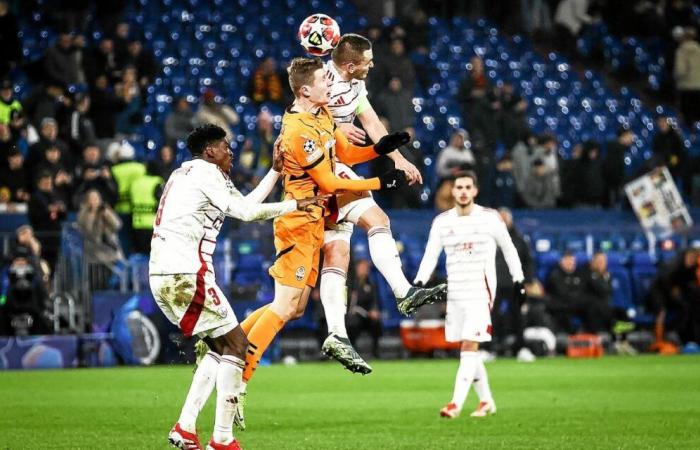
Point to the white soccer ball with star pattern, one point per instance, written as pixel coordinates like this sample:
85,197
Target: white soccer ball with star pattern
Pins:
319,34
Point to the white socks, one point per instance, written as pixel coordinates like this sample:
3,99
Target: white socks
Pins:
481,382
200,390
468,362
385,256
228,387
334,299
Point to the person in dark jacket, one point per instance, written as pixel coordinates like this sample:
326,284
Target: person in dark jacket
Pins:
566,286
363,307
507,315
105,107
669,151
46,215
614,165
589,174
11,48
93,172
599,291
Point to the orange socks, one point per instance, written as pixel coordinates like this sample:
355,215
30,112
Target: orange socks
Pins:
259,338
249,321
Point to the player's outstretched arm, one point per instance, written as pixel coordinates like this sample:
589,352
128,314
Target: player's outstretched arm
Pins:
351,154
323,175
222,193
510,253
430,258
376,130
267,184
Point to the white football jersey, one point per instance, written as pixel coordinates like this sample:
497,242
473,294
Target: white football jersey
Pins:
345,95
470,244
195,201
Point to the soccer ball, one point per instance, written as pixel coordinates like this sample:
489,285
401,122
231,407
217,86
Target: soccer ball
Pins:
319,34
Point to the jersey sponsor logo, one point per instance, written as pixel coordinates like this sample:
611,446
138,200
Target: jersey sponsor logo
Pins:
300,273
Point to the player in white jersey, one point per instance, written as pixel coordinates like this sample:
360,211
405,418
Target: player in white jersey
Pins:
195,201
350,62
469,234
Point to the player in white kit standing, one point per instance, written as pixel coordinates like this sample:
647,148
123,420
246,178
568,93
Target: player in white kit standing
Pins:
469,234
350,62
196,199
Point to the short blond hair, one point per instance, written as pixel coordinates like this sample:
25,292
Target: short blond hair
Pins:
301,72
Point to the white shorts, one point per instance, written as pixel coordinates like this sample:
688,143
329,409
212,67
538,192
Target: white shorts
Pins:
349,208
468,321
194,303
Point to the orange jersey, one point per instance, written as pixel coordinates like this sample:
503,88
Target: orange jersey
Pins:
311,143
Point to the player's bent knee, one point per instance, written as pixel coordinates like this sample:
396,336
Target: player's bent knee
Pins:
469,346
374,217
336,254
234,343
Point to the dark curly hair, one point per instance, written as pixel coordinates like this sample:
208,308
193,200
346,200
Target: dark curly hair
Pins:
202,136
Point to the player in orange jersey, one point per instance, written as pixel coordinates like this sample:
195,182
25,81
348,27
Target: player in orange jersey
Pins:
311,144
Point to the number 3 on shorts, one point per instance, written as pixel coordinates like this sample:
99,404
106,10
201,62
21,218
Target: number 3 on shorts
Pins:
211,291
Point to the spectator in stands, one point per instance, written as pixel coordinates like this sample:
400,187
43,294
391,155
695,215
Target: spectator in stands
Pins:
55,163
99,225
456,156
120,37
48,138
566,285
479,105
45,102
211,110
11,48
587,177
46,215
93,173
8,102
507,315
7,145
570,17
105,107
125,171
180,121
395,104
15,177
363,307
62,61
522,153
165,162
598,291
78,130
512,120
686,72
129,91
614,165
143,61
541,188
25,308
536,17
394,64
415,22
266,85
256,155
504,192
673,297
103,61
145,194
670,151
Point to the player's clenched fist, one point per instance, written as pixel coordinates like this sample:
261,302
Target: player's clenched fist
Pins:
306,204
391,142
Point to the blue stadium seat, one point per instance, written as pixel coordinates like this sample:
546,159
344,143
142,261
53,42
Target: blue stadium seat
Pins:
622,288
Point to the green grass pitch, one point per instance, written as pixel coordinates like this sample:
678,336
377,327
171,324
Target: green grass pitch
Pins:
643,402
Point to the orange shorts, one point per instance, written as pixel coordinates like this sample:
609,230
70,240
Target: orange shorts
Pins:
298,242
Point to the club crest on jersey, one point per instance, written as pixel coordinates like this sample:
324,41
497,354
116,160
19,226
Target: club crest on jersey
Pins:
300,273
309,147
